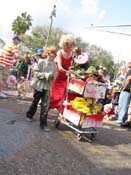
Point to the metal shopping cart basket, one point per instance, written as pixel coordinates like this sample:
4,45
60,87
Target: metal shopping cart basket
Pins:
84,125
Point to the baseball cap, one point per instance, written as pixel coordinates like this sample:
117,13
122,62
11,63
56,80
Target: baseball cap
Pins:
40,51
16,38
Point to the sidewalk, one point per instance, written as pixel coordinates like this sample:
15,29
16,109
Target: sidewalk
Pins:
13,92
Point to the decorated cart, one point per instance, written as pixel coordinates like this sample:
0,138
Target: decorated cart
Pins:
80,109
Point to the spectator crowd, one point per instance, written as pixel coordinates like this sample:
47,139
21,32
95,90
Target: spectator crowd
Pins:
47,72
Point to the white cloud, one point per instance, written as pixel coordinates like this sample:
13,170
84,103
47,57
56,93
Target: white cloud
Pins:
118,45
101,14
40,11
68,16
89,7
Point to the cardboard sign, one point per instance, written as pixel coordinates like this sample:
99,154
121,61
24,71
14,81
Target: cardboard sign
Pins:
84,121
94,91
77,86
72,115
95,120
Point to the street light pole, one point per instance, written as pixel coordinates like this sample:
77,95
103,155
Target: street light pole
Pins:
53,14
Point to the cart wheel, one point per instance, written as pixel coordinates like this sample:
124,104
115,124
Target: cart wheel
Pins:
93,136
56,123
79,137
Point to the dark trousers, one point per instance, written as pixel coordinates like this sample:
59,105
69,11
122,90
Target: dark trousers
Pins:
44,97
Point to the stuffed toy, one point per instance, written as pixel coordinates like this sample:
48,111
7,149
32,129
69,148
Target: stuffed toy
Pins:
108,111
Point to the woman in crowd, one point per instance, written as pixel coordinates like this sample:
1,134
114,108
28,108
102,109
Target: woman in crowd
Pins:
64,60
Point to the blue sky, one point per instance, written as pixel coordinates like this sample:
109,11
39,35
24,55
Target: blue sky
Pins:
74,16
117,11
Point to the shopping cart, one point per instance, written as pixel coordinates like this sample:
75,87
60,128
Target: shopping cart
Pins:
85,126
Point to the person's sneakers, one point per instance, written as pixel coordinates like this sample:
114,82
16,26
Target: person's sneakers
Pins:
126,124
5,92
129,127
2,95
29,119
119,122
44,128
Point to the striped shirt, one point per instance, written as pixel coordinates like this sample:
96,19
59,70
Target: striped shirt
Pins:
8,54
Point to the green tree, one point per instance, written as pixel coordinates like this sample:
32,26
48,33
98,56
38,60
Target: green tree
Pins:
21,24
101,57
83,45
38,37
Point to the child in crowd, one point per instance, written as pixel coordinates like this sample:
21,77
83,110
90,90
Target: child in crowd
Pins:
11,82
21,88
38,57
44,73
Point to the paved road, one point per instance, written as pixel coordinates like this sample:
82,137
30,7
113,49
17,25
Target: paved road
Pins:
25,149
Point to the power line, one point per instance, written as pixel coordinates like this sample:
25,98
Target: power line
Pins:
109,26
118,33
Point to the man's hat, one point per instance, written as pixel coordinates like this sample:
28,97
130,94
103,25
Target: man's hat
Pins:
16,38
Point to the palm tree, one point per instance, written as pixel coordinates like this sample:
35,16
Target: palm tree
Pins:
21,24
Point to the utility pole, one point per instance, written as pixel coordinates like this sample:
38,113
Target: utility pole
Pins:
53,14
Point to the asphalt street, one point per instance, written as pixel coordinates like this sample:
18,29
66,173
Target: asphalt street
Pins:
25,149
